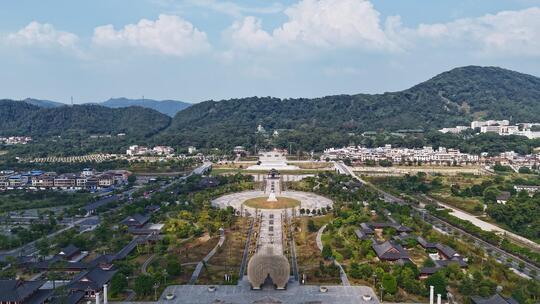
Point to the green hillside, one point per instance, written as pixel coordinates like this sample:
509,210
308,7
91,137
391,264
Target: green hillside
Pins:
21,118
451,98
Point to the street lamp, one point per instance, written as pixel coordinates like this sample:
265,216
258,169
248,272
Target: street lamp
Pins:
156,286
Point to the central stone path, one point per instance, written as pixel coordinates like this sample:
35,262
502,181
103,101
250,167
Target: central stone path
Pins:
271,231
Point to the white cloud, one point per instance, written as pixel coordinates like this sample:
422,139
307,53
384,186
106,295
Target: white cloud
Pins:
356,24
504,33
234,9
248,33
169,35
325,24
37,34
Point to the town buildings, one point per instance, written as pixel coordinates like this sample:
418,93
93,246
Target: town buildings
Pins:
88,179
15,140
137,150
501,127
401,155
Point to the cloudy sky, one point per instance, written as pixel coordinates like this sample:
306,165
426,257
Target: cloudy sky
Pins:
195,50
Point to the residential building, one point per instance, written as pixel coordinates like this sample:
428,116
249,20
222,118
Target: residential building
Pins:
495,299
136,220
390,251
19,292
530,189
163,150
91,281
503,197
68,252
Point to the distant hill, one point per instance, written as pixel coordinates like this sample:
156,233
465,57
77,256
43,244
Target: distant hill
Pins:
452,98
21,118
44,103
168,107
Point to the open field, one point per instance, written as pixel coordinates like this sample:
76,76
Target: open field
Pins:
399,170
228,258
313,165
263,203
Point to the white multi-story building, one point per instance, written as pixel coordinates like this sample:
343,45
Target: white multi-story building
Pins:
479,124
137,150
163,150
456,130
401,155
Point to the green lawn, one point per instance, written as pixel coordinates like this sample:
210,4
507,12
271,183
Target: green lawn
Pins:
263,203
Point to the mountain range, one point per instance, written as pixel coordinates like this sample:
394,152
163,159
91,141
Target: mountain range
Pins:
167,107
21,118
452,98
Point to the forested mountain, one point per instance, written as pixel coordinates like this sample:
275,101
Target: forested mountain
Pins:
168,107
451,98
42,103
21,118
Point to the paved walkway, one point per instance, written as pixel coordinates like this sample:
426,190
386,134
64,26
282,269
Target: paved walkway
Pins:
270,233
200,265
146,263
342,274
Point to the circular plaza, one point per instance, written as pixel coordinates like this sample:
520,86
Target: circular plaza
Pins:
252,200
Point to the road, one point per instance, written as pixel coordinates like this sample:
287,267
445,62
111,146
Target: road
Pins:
29,248
485,225
499,254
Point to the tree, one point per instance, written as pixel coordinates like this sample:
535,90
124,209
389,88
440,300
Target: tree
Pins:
311,226
327,252
490,194
43,246
466,286
132,179
118,284
174,267
385,163
524,170
389,283
438,281
143,285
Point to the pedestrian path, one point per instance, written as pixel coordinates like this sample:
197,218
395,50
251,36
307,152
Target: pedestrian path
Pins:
200,265
342,274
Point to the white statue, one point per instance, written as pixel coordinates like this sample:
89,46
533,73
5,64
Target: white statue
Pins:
272,197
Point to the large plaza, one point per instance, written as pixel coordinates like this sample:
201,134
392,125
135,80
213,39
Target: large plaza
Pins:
307,200
294,294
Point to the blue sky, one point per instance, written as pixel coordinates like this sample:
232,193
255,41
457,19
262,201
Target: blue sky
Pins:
195,50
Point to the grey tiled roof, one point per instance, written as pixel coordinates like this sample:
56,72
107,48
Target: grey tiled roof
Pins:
69,250
137,218
494,299
17,290
91,279
390,251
